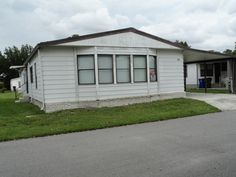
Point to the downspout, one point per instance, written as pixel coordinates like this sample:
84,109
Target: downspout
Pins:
42,84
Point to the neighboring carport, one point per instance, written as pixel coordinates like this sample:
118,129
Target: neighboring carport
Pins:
201,56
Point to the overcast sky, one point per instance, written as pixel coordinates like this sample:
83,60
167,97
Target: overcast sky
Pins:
204,24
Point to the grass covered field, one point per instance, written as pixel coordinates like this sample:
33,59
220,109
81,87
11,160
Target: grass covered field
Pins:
24,120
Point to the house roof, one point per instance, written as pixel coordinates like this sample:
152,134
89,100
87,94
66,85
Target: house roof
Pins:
113,32
199,56
100,34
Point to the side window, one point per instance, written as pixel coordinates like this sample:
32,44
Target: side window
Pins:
86,69
31,75
35,74
140,68
123,68
209,70
105,69
153,68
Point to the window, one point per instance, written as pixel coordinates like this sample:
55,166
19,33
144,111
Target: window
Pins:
224,66
105,69
86,71
35,74
140,68
209,70
31,75
122,68
153,68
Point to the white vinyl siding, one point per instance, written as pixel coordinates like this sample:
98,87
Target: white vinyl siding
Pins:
34,87
59,74
171,76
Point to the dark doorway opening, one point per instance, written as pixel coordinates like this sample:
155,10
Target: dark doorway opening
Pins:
217,73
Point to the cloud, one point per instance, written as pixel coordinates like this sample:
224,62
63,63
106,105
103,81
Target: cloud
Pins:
203,24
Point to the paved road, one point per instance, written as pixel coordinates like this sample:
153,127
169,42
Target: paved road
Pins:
190,147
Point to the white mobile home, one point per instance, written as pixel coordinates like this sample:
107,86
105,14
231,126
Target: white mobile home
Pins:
103,69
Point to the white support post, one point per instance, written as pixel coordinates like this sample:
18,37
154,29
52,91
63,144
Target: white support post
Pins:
42,80
114,68
96,72
131,69
158,73
148,78
76,75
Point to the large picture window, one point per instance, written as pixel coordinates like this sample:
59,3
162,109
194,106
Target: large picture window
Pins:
122,68
86,69
105,69
140,68
153,68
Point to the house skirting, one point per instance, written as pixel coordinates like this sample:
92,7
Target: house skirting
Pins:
52,107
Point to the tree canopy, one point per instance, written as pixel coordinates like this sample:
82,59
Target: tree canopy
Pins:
182,43
230,52
12,56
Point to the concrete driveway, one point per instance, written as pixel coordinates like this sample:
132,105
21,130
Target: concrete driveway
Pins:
190,147
223,102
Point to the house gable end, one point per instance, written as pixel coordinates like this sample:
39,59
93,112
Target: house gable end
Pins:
124,39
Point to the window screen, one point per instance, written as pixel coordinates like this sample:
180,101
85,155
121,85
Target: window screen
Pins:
105,69
31,75
152,68
209,70
122,68
86,69
140,68
35,75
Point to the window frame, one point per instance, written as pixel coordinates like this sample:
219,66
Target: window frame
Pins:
202,70
35,75
78,70
129,69
139,69
153,68
31,75
106,69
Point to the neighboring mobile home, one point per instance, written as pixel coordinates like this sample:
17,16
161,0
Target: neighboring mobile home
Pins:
104,69
15,82
218,73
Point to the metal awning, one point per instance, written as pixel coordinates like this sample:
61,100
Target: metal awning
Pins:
198,56
17,67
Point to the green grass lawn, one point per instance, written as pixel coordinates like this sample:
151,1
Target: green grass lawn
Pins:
24,120
209,90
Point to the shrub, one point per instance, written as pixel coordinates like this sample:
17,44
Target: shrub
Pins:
2,87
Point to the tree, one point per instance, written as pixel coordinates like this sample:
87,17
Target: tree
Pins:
75,35
230,52
182,43
13,56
